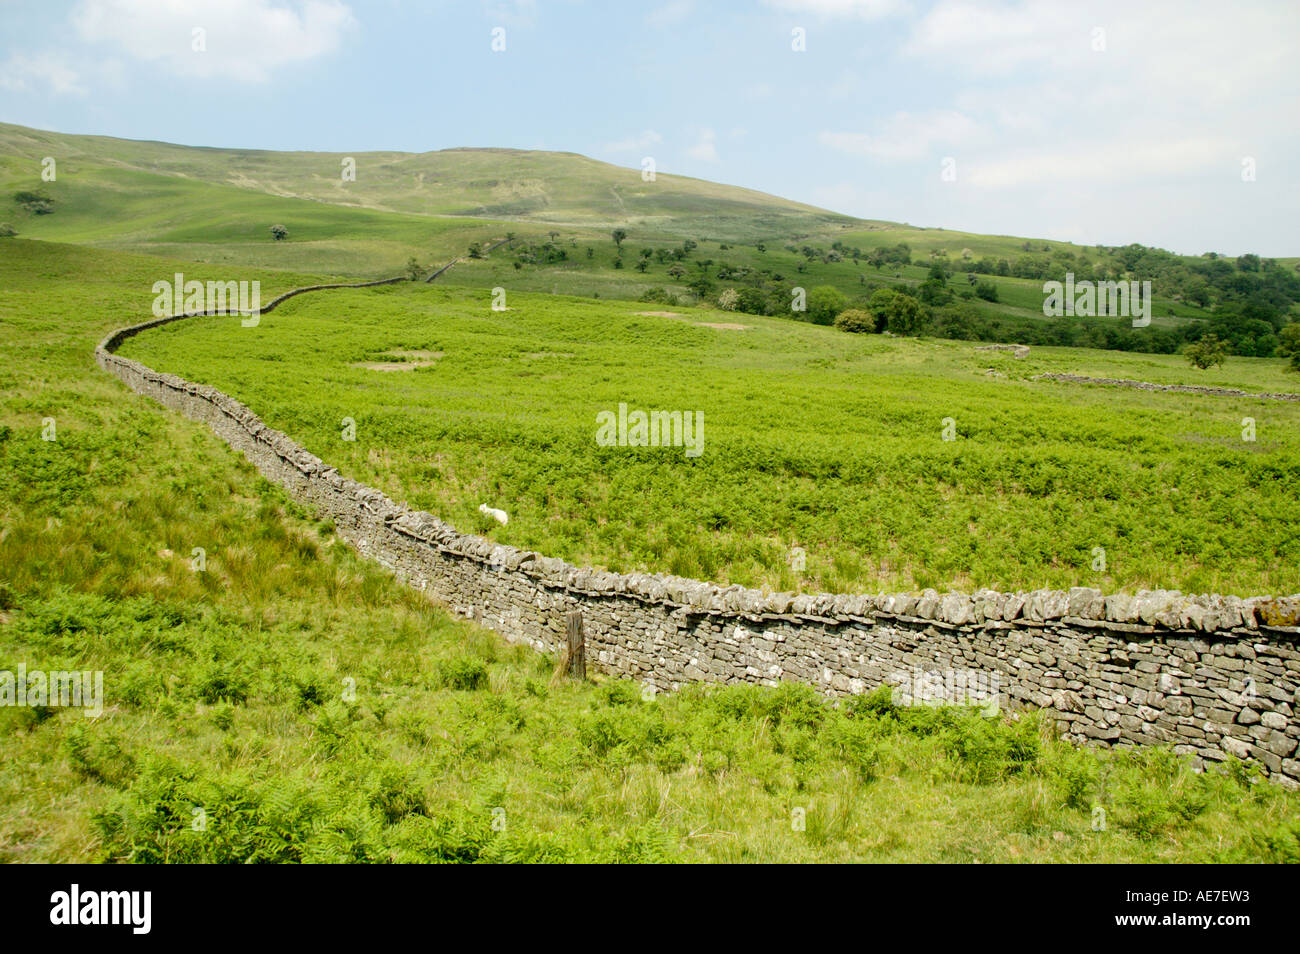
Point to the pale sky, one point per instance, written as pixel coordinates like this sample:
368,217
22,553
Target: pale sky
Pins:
1105,122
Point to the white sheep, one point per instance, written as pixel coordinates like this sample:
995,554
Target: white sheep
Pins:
498,515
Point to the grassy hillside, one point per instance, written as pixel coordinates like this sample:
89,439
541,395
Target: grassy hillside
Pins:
217,205
497,184
231,731
155,193
813,438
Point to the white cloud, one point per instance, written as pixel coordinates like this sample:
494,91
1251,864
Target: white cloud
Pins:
22,73
638,143
514,13
670,14
862,9
244,39
907,136
704,148
998,38
1109,163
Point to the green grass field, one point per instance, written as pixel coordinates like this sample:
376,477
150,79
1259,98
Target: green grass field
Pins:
812,438
230,702
303,706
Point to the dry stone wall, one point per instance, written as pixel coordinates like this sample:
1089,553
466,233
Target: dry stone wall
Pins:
1213,676
1177,388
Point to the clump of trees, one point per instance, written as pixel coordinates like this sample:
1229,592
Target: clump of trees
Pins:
279,233
34,201
546,253
7,230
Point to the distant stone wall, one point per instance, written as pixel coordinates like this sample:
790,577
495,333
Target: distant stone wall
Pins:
1178,388
1211,675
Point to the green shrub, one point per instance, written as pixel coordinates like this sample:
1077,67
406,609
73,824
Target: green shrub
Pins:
855,320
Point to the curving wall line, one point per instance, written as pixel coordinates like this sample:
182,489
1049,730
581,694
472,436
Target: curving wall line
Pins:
1213,676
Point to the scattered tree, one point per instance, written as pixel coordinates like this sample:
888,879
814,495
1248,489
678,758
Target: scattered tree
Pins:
279,233
618,235
1207,352
7,230
413,269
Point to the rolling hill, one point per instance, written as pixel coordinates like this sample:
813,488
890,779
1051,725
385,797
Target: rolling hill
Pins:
547,188
216,206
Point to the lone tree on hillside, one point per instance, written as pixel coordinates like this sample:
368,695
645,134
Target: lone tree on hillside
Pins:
279,232
1207,352
413,269
618,235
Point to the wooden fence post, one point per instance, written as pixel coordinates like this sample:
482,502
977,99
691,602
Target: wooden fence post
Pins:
577,645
